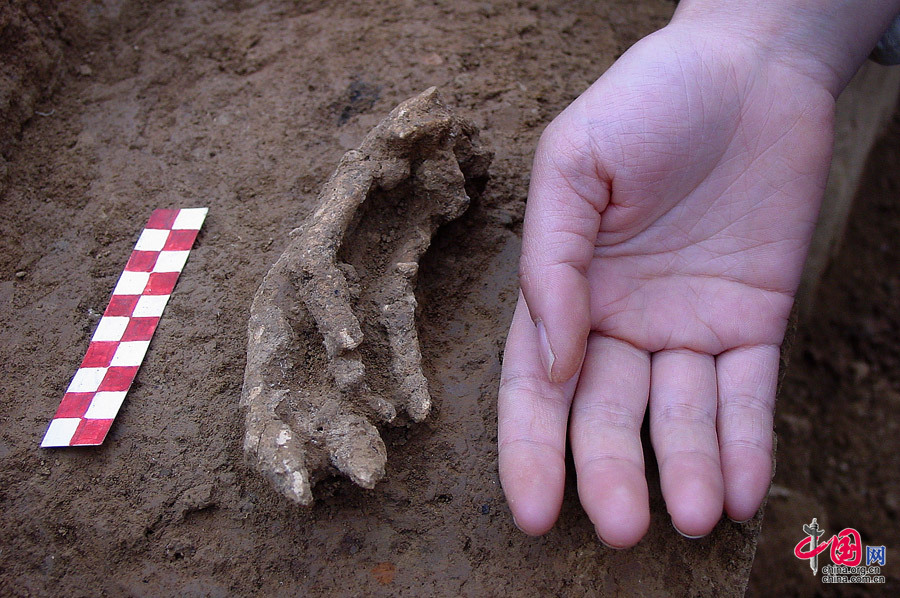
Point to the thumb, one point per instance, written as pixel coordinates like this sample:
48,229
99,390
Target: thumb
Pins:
562,218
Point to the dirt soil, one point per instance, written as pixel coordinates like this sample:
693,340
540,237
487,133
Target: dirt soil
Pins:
246,107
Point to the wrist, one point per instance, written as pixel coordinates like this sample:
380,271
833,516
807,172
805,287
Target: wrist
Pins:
824,40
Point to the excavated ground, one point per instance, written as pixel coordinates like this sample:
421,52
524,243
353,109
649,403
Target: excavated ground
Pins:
246,107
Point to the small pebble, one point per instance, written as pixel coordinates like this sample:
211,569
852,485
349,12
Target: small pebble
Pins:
21,274
860,369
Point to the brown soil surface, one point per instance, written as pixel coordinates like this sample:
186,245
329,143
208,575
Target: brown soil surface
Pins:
34,37
246,107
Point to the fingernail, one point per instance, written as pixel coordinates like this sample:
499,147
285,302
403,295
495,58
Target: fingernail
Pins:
516,523
607,544
547,356
685,535
739,522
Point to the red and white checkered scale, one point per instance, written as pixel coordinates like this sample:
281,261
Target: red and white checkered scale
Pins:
123,334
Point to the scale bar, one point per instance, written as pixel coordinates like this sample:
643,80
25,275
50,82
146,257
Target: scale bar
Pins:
117,349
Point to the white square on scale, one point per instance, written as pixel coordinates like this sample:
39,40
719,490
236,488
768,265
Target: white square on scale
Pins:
150,306
86,380
152,239
60,431
105,405
129,353
170,261
110,328
190,218
131,283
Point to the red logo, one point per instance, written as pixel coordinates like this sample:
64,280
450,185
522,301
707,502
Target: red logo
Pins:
846,547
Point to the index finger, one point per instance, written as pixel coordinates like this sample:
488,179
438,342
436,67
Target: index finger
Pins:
532,415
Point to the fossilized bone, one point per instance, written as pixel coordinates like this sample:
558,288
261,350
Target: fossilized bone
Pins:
332,342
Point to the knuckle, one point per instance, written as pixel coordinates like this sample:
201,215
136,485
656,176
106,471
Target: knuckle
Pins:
750,401
529,385
606,460
526,270
550,135
755,444
682,412
706,457
521,443
606,414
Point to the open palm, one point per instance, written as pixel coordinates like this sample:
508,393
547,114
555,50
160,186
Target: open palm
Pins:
668,219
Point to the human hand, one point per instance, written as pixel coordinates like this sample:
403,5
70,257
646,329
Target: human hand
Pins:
669,216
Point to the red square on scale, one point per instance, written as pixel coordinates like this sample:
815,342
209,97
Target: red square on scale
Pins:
162,219
74,404
91,432
118,379
99,354
121,305
141,261
180,240
161,283
140,329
